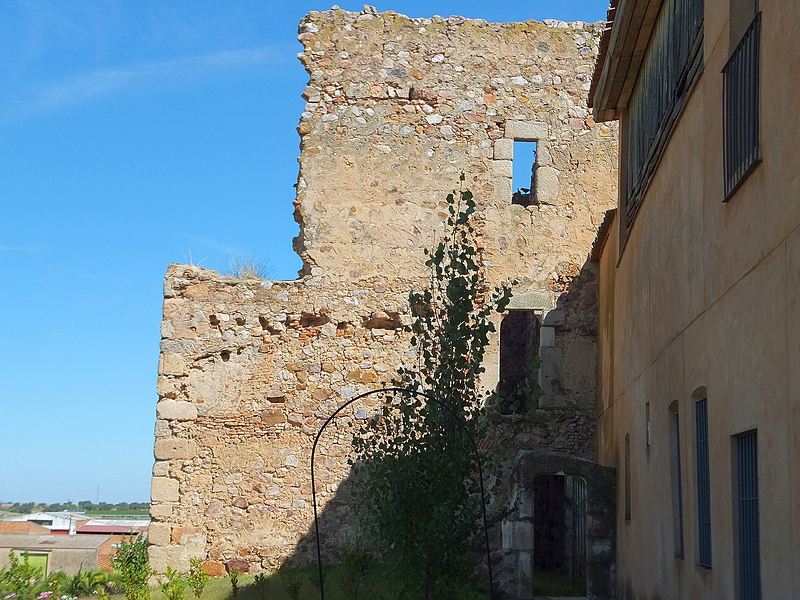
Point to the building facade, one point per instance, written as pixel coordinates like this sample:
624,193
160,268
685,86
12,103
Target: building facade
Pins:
699,358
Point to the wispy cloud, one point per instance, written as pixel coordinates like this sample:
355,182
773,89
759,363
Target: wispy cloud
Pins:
25,249
85,87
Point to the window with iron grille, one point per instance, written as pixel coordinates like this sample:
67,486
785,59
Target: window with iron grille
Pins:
670,67
749,567
703,484
675,475
740,109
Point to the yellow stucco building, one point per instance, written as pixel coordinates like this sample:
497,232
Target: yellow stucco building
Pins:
699,341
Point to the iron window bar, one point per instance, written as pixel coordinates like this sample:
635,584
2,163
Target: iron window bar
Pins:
741,76
671,66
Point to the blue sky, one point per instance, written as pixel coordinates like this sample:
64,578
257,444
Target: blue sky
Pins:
133,134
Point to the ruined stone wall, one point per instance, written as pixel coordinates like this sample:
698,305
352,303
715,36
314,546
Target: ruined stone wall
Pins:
397,109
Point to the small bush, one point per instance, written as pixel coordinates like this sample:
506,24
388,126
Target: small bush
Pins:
233,576
292,581
174,585
134,571
197,578
357,562
260,584
20,579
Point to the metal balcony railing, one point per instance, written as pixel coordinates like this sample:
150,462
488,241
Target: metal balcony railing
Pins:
740,109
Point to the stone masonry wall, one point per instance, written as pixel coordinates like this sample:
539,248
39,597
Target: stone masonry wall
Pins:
397,109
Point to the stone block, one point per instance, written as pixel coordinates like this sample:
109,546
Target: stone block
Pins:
162,429
182,535
165,387
502,189
238,565
171,448
161,469
213,568
159,534
164,489
157,558
547,337
176,410
503,168
504,149
521,537
548,185
173,364
276,396
554,318
532,300
215,509
543,156
526,131
272,417
321,394
160,511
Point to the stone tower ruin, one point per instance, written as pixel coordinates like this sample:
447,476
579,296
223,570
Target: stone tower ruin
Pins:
397,108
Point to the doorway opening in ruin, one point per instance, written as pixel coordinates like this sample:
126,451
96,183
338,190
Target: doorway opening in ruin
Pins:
524,177
560,545
519,356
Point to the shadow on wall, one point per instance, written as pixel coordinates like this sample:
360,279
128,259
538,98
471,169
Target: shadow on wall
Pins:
553,450
555,330
339,533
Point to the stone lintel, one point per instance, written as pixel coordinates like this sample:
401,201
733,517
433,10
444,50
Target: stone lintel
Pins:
526,131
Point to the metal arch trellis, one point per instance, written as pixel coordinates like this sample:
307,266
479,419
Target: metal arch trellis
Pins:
474,449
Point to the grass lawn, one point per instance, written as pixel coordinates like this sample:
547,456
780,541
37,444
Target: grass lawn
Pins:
549,584
380,587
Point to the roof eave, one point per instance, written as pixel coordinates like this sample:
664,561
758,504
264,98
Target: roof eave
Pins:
628,33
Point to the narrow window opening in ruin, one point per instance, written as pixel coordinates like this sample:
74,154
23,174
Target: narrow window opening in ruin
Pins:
560,545
519,359
524,178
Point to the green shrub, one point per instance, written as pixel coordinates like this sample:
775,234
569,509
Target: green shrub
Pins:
233,576
357,562
173,585
415,487
134,571
197,578
21,578
292,581
260,584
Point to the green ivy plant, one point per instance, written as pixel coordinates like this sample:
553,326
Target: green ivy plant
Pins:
415,487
